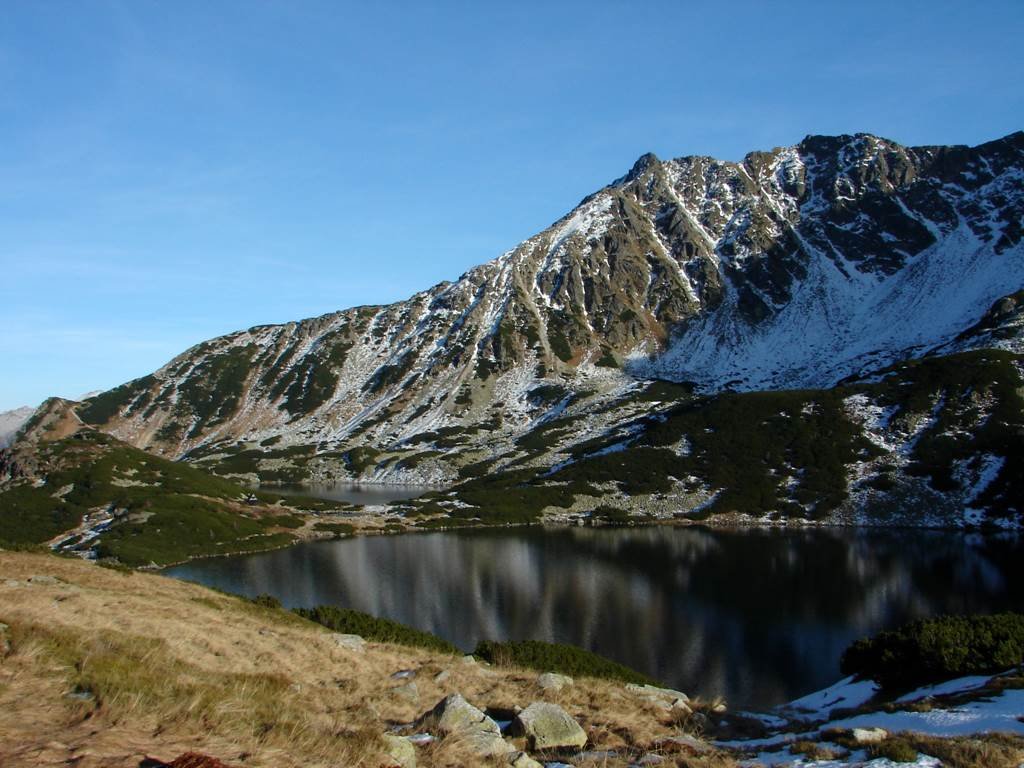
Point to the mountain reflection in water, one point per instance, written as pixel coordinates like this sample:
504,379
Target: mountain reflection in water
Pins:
757,616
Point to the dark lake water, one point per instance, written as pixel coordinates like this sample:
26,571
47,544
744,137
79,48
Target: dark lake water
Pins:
758,616
354,493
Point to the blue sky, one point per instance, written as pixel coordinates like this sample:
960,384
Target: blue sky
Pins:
173,171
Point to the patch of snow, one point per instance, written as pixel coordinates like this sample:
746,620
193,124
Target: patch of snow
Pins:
998,713
950,686
845,320
848,692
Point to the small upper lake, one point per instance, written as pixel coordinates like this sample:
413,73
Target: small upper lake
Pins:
759,616
354,493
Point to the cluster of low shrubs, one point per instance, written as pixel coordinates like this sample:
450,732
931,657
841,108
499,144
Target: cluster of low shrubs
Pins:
532,654
556,657
374,629
942,648
338,529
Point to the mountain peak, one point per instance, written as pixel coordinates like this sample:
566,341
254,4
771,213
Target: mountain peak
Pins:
641,166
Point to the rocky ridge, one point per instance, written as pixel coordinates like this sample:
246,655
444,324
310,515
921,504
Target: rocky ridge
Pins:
793,268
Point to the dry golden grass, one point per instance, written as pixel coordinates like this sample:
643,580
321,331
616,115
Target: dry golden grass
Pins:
996,750
158,667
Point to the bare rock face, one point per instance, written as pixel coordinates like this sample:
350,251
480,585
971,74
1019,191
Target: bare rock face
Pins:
548,726
454,716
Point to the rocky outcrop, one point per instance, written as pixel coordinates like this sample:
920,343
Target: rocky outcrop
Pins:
455,717
548,726
663,698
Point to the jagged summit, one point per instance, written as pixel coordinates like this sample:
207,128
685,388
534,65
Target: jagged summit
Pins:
641,166
795,267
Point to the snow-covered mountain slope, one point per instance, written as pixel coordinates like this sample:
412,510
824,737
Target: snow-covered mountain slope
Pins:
11,422
795,267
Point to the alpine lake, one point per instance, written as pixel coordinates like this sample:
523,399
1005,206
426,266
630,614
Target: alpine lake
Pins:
759,616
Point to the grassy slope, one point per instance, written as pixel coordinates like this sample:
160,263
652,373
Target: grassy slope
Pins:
101,668
160,666
165,511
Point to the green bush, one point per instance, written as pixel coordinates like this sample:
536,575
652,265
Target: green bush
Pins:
556,657
374,629
338,529
932,650
267,601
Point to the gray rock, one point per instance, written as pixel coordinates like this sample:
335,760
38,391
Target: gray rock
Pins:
12,583
350,642
869,735
550,681
523,760
442,676
548,726
409,692
403,674
663,698
454,716
400,750
43,581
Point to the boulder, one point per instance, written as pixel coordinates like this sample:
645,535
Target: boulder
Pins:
869,735
663,698
548,726
349,642
400,750
454,716
550,681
